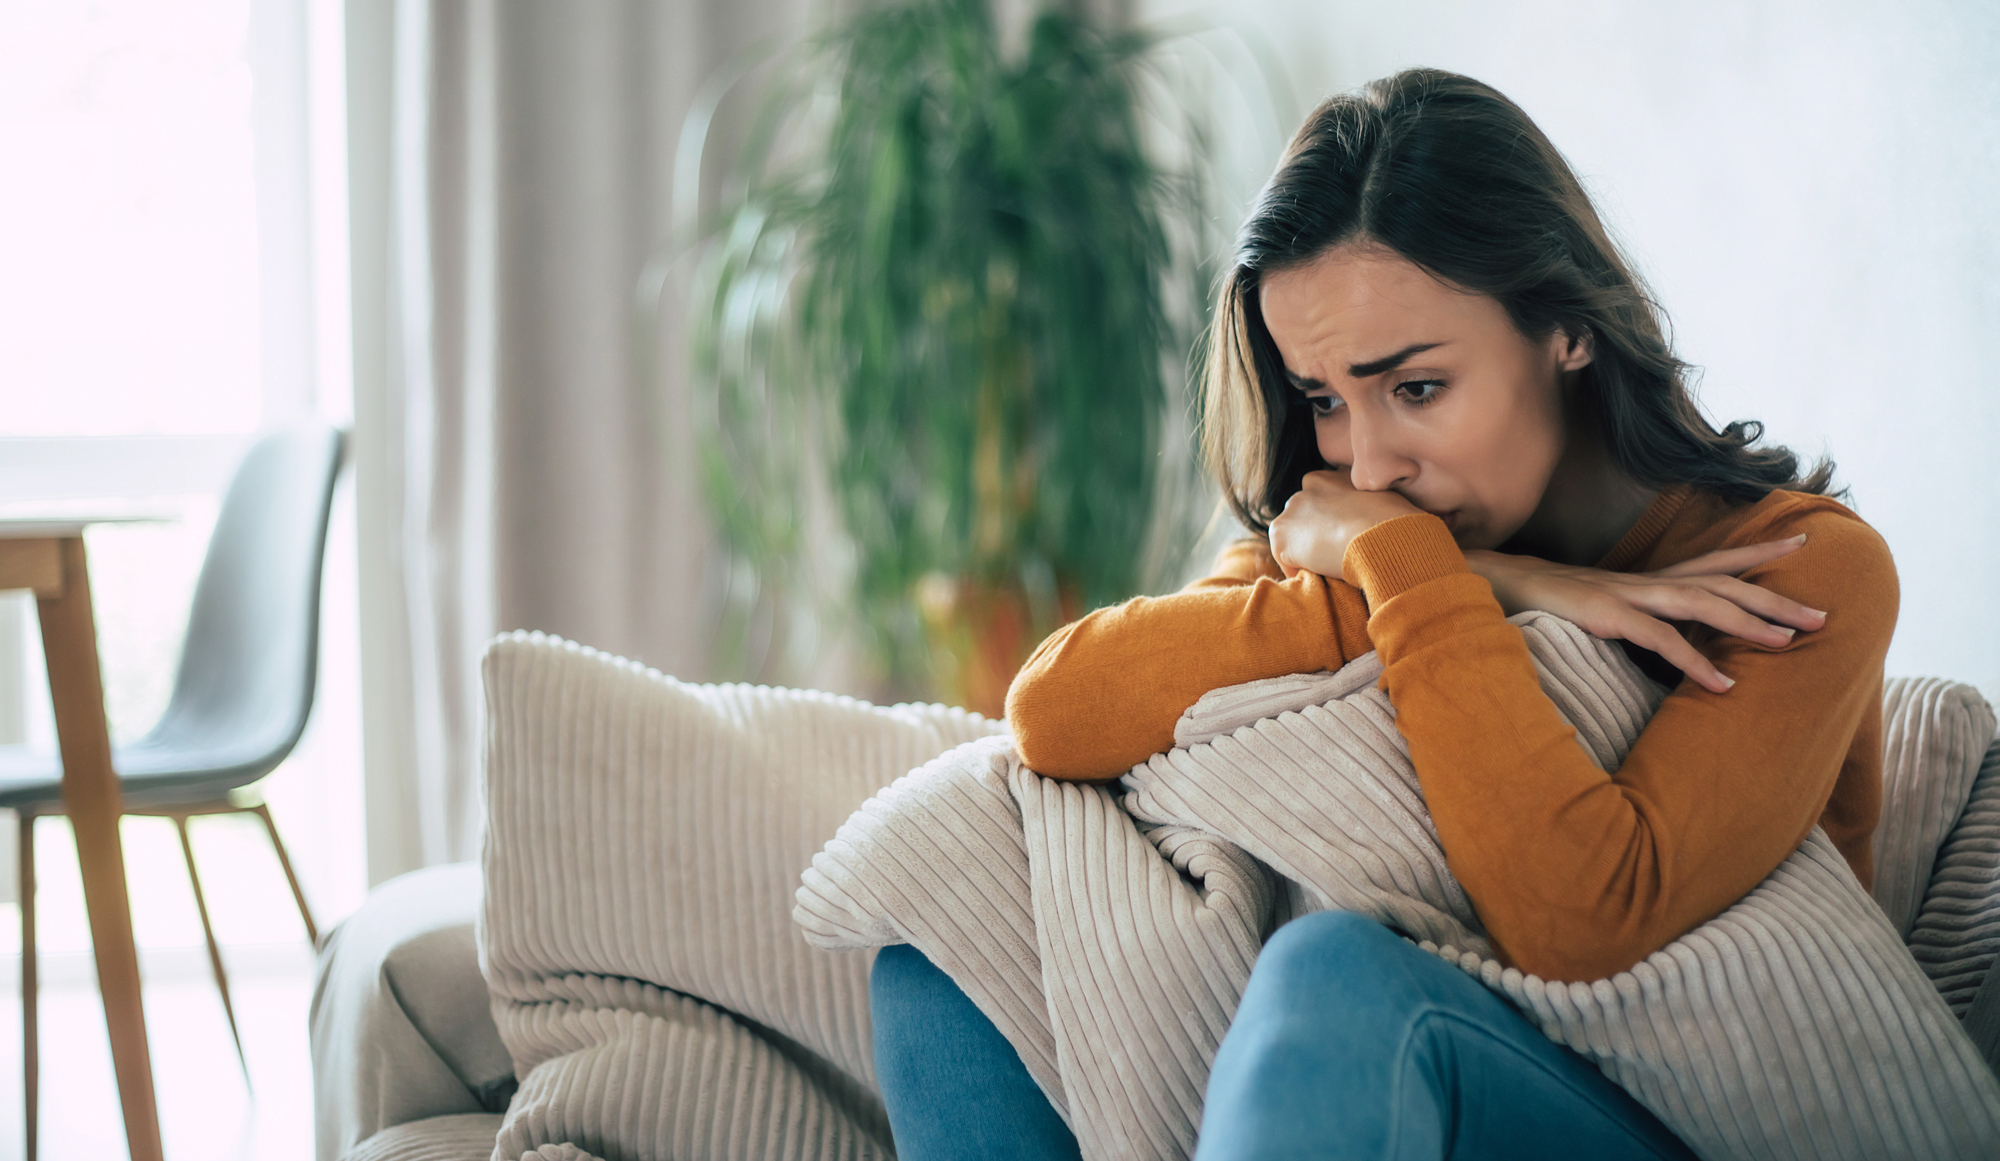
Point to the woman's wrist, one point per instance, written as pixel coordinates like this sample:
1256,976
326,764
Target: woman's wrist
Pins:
1397,555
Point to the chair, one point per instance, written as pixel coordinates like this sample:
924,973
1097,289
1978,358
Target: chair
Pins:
240,699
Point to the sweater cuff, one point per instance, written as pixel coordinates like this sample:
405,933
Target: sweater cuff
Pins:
1397,555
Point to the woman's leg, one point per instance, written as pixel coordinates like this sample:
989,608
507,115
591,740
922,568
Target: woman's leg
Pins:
953,1085
1350,1042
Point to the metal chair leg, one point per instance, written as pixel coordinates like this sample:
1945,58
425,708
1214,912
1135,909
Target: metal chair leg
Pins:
214,949
30,1045
264,812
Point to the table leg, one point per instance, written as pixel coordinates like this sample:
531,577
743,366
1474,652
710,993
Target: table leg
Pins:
92,800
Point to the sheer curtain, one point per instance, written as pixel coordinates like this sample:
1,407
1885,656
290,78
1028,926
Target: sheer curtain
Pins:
518,465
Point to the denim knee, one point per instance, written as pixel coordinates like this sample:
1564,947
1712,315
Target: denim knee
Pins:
1328,970
1333,951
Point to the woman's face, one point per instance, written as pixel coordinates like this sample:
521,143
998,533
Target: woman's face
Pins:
1422,389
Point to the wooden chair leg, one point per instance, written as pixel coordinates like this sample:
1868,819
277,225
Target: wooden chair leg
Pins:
264,812
30,1046
214,949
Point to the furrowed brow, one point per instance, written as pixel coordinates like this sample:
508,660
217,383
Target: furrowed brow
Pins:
1389,363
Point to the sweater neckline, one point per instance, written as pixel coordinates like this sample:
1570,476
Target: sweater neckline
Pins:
1647,532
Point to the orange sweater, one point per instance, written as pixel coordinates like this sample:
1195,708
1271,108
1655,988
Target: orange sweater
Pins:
1576,874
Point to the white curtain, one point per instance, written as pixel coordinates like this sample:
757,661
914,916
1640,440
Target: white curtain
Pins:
518,467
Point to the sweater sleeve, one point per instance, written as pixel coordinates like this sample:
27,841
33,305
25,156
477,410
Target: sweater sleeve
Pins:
1104,693
1578,874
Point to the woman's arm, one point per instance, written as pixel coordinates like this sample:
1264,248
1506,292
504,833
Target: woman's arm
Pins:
1578,874
1641,607
1104,693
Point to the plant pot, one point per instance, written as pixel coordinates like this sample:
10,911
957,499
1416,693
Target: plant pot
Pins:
980,632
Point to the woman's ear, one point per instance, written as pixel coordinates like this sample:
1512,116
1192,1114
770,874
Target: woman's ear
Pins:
1573,351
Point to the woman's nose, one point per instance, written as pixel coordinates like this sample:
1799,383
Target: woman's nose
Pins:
1374,464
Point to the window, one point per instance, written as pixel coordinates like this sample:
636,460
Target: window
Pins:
173,279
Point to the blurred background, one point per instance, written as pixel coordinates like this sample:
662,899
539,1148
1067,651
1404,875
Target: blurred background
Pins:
840,344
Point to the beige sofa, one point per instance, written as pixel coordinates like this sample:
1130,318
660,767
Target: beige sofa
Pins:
409,1064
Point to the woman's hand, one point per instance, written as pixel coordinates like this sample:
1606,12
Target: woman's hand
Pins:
1636,607
1323,517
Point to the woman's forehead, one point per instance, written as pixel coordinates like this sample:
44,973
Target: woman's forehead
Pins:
1351,309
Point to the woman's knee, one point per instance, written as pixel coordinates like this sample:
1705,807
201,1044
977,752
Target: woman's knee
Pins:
1329,982
1330,950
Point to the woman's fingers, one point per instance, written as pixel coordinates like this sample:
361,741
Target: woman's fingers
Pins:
1648,633
1756,599
1731,561
1692,601
1763,602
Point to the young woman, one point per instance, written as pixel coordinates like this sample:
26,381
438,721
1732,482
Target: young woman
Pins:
1439,395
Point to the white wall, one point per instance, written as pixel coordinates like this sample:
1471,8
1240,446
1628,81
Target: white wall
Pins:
1814,191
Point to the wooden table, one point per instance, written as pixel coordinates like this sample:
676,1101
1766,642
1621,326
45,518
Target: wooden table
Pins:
46,557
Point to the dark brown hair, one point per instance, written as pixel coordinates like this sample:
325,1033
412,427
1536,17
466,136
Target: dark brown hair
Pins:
1453,176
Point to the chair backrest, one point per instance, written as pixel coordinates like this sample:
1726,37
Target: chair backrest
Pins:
245,684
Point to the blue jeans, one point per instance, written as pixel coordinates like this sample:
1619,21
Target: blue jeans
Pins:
1349,1042
953,1085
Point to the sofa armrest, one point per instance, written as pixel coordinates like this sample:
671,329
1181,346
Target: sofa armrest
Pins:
402,1027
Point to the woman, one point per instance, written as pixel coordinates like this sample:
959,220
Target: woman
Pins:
1441,396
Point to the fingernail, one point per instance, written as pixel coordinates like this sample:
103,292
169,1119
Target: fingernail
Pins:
1799,539
1787,630
1817,613
1728,682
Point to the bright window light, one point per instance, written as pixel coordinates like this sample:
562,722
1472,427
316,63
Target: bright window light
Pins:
129,298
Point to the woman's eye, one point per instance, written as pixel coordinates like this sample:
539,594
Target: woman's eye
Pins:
1421,391
1323,405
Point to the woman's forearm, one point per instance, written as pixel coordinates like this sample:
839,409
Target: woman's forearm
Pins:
1103,694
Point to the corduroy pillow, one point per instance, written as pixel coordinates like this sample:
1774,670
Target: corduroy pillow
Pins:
1956,935
644,838
1934,733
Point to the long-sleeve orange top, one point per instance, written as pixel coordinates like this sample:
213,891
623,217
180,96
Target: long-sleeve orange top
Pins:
1577,874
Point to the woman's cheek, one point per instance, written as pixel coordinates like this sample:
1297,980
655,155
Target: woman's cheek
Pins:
1330,439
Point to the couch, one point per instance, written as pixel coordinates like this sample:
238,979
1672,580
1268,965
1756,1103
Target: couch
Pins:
410,1065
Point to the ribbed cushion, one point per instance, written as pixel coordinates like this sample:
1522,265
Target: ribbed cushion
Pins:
1933,734
643,843
1956,934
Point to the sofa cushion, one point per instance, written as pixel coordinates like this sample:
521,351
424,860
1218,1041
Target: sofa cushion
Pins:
644,838
1956,934
401,1023
1934,733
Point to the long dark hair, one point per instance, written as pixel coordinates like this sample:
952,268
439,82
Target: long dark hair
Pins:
1453,176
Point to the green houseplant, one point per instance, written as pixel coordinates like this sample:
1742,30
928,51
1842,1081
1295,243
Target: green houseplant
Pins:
947,308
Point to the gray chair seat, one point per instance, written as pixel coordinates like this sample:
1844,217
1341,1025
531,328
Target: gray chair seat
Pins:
151,772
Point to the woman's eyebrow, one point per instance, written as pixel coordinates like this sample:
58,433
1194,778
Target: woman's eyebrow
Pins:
1362,370
1390,362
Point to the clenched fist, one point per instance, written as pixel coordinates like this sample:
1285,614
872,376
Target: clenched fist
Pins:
1323,517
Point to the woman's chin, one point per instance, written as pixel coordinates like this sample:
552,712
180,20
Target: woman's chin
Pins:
1476,536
